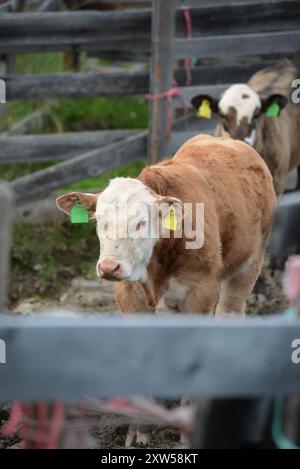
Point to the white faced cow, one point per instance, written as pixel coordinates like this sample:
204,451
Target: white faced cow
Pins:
259,114
162,252
155,242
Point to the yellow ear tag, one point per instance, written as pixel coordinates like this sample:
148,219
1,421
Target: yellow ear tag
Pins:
205,110
170,222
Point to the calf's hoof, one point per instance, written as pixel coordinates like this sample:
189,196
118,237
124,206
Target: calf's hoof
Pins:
137,436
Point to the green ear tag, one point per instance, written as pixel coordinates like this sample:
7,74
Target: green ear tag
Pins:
273,110
79,214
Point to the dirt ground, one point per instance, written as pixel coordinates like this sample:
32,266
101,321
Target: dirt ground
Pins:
97,296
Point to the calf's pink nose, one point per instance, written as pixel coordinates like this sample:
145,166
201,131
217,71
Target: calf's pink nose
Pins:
108,268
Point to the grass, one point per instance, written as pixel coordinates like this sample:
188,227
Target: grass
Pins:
35,63
68,251
46,256
73,115
101,113
100,182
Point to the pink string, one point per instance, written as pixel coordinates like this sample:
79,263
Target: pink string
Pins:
118,402
42,423
56,425
24,432
11,426
171,93
189,32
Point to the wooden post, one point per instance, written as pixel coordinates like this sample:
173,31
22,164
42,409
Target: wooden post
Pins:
6,205
161,75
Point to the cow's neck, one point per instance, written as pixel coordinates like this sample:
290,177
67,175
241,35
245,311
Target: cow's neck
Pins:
266,144
167,259
163,265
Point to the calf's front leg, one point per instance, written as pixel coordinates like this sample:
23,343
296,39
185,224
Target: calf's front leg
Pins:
201,298
131,297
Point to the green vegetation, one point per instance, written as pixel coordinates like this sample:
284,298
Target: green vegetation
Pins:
101,113
100,182
34,63
72,115
46,255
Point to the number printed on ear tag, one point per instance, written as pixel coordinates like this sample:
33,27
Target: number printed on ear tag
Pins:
205,110
79,214
170,222
273,110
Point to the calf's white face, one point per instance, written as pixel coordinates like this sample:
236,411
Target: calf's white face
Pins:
124,223
239,107
128,217
243,100
239,110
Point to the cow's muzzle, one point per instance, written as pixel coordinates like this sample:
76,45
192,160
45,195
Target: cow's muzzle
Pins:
109,269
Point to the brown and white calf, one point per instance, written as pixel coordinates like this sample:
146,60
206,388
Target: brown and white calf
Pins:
161,269
241,110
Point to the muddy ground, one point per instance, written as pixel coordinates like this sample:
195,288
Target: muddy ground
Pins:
96,296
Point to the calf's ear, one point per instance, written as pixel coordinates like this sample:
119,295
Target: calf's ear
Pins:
171,211
205,105
66,202
273,104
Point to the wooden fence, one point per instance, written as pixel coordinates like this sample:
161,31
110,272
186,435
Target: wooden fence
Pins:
55,357
230,40
61,358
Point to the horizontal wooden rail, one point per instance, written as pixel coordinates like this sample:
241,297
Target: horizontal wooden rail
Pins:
72,85
92,163
55,147
239,44
6,7
65,358
120,30
208,3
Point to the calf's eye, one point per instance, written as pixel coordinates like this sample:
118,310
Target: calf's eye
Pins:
140,225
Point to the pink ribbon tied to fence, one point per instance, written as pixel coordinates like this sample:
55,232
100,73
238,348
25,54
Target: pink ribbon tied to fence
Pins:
66,425
48,428
169,94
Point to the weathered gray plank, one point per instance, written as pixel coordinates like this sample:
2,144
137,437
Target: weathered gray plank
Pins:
6,7
120,30
6,207
239,44
112,3
179,138
64,85
73,85
50,5
89,164
286,227
201,3
55,147
160,356
53,31
236,17
161,77
188,92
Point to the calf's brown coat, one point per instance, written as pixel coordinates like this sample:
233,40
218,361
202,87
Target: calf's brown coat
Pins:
235,185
